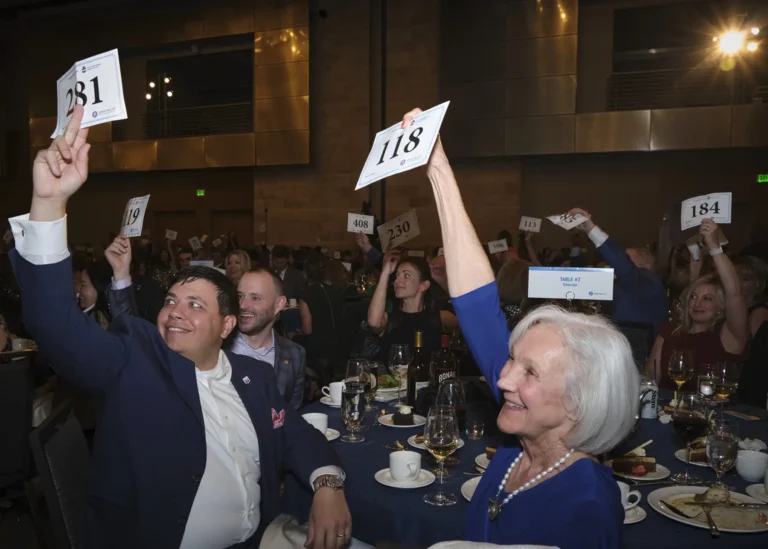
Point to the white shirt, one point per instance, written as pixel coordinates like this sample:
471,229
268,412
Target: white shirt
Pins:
241,347
225,510
281,274
226,507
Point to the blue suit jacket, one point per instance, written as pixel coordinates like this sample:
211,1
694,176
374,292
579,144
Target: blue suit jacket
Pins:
639,294
149,448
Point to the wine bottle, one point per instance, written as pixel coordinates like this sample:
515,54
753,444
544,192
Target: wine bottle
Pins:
445,365
418,371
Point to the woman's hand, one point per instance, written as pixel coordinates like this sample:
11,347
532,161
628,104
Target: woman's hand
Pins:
528,236
438,158
389,263
711,234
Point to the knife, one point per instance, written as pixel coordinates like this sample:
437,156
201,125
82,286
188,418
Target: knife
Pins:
739,505
677,511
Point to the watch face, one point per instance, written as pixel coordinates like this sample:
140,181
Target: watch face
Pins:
331,482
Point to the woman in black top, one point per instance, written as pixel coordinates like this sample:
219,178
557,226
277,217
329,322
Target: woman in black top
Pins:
753,384
412,310
320,307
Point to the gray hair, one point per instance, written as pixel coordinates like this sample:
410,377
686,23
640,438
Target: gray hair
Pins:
602,383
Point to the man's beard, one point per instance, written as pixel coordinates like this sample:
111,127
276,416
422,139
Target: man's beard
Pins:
261,319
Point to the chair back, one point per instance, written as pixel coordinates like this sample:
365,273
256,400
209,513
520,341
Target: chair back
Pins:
16,387
62,459
640,337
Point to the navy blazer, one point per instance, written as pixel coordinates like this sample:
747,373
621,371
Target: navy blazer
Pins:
639,294
149,447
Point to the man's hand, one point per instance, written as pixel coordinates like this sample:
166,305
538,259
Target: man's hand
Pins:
330,524
588,225
363,242
711,234
59,171
119,256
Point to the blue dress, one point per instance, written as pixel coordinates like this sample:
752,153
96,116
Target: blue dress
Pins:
580,507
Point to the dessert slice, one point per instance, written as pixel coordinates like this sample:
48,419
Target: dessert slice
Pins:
403,416
635,466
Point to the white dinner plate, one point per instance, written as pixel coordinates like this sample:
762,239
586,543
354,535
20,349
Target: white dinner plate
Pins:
420,446
418,421
634,515
673,494
328,402
757,491
681,454
384,477
660,473
332,434
482,461
469,487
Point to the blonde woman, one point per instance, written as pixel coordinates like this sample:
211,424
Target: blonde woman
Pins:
713,323
237,264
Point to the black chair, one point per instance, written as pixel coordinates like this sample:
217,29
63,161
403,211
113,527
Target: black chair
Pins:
16,387
640,337
61,455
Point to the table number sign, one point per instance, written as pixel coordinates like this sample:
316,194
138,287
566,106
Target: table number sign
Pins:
96,84
530,224
416,253
401,229
716,206
567,221
216,242
195,243
201,262
336,254
397,149
171,235
357,223
8,236
498,246
133,217
570,283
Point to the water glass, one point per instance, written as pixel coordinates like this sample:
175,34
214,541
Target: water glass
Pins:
353,410
722,446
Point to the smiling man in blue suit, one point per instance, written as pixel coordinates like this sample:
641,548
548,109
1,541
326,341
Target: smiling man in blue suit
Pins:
191,441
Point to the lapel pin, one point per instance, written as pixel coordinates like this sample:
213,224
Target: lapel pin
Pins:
246,380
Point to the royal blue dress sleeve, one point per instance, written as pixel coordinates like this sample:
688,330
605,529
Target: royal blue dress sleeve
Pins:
485,330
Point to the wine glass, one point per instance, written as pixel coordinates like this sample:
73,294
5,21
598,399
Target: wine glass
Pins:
372,370
728,374
690,422
360,370
706,383
451,393
441,438
399,360
722,446
353,410
680,367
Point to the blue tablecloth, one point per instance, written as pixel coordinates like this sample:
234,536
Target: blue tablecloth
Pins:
380,513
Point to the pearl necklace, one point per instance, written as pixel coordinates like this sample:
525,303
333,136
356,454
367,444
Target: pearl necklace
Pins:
494,507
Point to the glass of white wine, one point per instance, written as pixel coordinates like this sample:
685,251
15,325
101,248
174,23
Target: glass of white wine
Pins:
727,381
441,438
680,367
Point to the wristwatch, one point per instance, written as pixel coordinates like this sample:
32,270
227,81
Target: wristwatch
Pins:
328,481
716,251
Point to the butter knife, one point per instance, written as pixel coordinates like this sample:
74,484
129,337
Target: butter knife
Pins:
677,511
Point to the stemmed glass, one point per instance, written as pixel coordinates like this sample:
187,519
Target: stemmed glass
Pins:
353,410
680,367
722,446
690,422
361,371
399,360
727,375
441,438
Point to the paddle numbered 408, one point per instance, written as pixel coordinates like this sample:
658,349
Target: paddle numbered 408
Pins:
59,171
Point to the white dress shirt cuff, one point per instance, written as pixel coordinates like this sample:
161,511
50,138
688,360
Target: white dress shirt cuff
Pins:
597,236
121,284
40,242
329,470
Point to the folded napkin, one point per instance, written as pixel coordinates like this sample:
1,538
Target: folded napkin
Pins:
752,444
664,417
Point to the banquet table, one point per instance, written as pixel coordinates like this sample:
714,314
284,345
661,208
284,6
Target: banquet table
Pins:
380,513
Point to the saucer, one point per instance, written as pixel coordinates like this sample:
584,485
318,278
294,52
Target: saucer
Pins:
757,491
384,477
328,402
636,514
332,434
482,461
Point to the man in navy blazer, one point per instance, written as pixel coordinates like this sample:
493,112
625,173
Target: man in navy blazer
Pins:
191,441
639,292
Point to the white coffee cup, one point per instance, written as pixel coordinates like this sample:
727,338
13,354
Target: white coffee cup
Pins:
626,494
333,391
292,303
20,344
751,465
318,421
405,466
